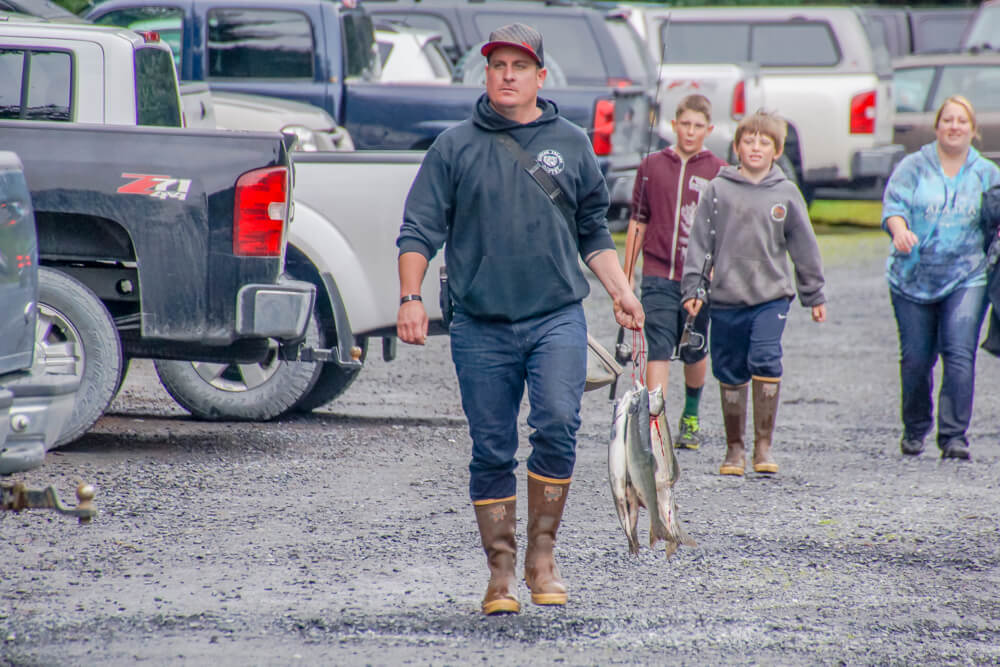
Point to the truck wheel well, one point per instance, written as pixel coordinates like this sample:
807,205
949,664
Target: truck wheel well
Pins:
74,236
299,267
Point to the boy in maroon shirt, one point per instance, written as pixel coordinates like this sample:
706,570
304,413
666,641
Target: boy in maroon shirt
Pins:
667,189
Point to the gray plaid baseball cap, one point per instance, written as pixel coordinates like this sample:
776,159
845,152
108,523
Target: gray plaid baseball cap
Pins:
519,36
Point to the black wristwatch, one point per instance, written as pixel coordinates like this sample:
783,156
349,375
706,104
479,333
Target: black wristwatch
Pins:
410,297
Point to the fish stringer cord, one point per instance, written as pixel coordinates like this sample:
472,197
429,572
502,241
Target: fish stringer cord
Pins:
638,357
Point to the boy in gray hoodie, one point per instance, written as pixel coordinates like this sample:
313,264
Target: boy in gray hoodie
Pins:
749,218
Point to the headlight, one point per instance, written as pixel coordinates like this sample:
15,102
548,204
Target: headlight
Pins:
301,138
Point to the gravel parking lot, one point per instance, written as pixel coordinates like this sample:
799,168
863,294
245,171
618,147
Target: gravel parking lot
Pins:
346,536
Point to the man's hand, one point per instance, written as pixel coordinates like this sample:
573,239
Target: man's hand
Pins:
693,306
819,313
628,311
411,323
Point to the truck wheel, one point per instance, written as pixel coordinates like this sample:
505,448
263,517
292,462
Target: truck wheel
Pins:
244,392
76,335
333,381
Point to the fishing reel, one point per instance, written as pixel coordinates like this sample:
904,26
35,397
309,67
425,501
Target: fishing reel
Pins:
623,350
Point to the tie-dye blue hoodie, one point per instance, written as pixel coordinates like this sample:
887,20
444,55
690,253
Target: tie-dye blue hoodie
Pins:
944,213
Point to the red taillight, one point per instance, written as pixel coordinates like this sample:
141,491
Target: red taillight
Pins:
620,82
149,36
739,100
604,126
261,205
863,113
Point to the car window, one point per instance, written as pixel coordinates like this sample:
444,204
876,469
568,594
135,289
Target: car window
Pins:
980,84
256,43
938,31
912,87
156,99
709,43
361,59
431,22
439,62
798,44
167,22
567,38
876,33
47,92
384,49
632,49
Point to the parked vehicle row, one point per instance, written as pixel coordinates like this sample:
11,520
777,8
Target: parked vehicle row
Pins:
325,54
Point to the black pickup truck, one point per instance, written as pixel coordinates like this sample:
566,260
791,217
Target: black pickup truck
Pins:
166,243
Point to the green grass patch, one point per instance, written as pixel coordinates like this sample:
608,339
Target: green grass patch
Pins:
830,212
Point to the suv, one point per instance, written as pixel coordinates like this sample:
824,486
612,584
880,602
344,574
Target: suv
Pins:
826,70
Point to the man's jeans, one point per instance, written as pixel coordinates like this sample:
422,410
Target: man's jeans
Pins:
493,361
949,328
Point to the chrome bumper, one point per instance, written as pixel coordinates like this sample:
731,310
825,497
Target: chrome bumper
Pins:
274,311
38,408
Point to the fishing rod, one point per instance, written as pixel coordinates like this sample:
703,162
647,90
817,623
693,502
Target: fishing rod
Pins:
623,350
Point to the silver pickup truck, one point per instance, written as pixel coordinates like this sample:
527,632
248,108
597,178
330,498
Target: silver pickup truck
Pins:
825,69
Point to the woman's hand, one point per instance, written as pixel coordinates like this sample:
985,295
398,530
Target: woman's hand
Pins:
903,239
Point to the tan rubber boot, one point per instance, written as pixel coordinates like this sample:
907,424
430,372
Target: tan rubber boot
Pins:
765,409
497,524
734,416
546,500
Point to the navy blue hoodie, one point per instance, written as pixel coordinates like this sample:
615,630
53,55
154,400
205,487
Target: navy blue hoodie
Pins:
510,253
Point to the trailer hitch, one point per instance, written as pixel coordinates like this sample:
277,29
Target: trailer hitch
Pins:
16,497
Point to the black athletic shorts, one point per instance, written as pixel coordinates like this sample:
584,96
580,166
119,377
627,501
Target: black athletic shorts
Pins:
661,299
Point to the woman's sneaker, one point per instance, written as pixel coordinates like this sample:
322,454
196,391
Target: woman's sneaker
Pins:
688,433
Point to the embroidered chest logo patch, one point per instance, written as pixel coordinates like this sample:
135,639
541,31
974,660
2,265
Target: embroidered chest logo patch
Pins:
778,212
551,161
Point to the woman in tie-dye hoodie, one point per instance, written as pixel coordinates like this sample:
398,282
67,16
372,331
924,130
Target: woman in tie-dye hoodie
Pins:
937,276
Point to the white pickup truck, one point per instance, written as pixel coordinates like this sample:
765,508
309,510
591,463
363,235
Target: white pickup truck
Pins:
347,208
825,69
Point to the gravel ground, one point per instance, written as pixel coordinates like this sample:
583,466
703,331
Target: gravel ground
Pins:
346,536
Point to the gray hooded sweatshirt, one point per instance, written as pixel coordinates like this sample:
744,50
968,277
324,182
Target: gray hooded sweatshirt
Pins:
748,229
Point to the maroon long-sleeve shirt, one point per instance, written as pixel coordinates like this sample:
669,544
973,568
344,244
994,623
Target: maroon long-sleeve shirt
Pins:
666,194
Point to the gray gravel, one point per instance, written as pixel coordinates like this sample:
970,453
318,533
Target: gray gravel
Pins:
346,536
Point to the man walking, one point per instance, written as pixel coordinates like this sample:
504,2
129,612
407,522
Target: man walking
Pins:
517,287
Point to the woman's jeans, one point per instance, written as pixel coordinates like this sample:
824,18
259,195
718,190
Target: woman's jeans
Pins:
493,361
949,328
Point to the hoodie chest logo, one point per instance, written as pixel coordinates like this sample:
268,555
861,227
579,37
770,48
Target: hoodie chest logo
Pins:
778,212
551,161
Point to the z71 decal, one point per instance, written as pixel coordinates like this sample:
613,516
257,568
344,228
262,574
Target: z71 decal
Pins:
153,185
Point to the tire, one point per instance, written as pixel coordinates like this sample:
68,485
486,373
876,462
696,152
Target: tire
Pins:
241,392
333,381
77,335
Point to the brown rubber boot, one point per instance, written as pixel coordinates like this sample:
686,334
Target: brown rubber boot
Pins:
734,415
497,522
546,500
765,408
